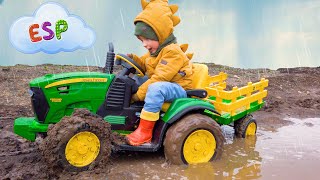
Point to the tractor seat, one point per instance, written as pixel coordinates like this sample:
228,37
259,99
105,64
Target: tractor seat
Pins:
200,93
200,75
199,82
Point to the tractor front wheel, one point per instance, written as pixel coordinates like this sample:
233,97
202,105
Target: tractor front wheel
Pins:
77,143
194,139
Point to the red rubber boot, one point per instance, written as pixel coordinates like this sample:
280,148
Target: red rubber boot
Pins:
143,134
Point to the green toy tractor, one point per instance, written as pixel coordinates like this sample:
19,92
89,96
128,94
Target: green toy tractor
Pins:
188,128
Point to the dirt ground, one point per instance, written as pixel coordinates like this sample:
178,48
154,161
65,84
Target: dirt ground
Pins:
293,92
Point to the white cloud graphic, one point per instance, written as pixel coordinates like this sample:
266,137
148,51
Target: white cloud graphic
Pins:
77,36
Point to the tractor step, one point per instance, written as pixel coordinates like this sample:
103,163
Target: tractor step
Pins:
147,147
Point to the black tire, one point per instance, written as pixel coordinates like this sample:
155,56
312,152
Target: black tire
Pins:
54,145
241,125
178,133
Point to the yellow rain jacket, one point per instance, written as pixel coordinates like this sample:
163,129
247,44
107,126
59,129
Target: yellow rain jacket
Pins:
171,64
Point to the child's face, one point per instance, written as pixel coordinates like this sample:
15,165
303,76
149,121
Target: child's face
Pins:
151,45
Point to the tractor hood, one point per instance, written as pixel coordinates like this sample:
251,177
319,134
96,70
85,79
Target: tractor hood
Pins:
52,80
56,95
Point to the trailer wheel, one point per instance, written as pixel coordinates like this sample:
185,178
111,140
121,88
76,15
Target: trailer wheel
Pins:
246,126
194,139
77,143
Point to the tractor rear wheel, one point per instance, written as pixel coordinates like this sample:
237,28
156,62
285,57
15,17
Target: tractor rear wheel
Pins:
77,143
246,126
194,139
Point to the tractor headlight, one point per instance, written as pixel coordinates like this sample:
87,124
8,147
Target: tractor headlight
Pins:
30,92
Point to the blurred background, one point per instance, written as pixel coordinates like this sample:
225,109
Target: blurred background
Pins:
238,33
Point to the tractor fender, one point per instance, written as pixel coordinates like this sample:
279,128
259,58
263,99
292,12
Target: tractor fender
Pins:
183,106
190,110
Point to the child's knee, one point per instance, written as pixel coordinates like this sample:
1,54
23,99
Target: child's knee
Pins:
157,87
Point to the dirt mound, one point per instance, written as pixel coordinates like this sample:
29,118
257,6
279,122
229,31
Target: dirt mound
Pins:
14,145
20,159
24,166
309,103
300,70
295,94
14,111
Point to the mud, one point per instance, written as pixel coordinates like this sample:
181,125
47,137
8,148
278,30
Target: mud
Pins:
118,139
292,93
17,156
53,145
292,152
284,154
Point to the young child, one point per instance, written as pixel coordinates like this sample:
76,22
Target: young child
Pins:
168,68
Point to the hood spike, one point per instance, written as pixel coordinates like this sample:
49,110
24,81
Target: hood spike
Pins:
189,55
174,8
184,47
144,4
175,20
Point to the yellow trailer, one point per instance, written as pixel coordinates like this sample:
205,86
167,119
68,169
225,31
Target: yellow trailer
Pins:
235,105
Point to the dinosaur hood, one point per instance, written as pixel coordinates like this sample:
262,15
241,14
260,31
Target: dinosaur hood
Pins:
160,16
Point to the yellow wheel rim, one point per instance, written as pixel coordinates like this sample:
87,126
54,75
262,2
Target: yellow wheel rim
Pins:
199,147
82,149
251,129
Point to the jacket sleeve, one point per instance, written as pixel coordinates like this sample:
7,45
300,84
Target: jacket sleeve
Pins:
168,66
140,60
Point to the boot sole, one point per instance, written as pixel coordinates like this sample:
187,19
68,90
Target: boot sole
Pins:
137,143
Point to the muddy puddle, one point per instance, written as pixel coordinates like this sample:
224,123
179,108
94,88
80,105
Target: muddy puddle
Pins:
293,152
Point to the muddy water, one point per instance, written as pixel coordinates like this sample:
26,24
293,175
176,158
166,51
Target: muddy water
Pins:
293,152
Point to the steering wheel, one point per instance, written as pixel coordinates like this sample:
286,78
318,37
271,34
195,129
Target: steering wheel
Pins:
129,63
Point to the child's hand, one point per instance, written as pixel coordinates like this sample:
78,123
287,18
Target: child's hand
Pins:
134,98
130,56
